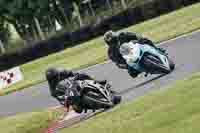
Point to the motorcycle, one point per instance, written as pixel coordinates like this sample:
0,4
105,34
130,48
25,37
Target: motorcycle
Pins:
92,96
147,59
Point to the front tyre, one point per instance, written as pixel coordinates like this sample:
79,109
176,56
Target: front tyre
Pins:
95,103
153,64
171,64
116,99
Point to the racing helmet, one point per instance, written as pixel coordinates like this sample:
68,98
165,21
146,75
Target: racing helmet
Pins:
110,36
52,73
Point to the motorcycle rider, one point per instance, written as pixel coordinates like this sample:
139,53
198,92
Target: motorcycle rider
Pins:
57,83
114,40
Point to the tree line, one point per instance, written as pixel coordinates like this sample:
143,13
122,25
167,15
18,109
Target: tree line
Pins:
38,19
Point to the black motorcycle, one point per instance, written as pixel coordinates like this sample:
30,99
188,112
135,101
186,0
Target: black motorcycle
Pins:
91,95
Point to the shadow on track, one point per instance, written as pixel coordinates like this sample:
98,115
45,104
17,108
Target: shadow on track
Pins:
141,84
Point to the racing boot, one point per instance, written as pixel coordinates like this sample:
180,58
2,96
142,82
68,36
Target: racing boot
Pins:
133,73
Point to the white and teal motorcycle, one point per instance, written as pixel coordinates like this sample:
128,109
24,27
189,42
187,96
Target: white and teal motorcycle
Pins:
145,58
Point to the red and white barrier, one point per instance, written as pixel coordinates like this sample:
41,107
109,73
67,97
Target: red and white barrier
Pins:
10,77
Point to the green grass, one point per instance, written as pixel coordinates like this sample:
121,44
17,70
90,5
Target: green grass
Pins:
172,110
93,52
34,122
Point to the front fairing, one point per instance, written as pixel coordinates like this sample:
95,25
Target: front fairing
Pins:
140,50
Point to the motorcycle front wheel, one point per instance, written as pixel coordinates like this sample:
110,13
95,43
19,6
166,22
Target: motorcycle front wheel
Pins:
153,64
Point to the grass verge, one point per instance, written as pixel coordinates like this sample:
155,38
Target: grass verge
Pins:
173,110
93,52
34,122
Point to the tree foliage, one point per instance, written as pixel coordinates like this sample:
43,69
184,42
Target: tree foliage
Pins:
33,17
37,19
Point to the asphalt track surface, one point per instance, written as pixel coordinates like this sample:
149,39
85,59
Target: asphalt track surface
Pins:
185,51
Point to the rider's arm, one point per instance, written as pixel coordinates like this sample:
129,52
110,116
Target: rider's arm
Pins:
146,41
77,76
66,73
142,40
83,76
129,36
